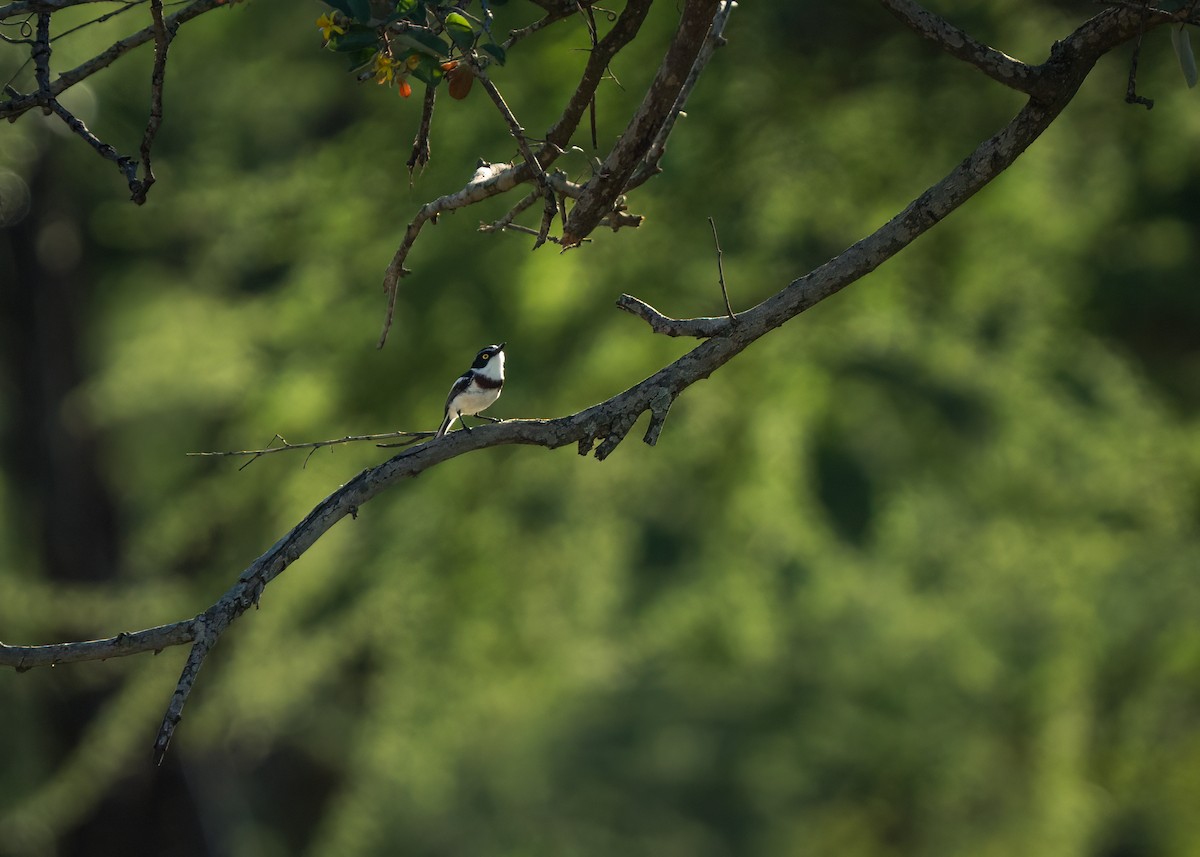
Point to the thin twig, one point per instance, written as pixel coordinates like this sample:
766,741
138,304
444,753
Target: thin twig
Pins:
127,165
721,270
504,222
312,445
518,134
590,20
162,41
552,17
41,55
421,151
1131,96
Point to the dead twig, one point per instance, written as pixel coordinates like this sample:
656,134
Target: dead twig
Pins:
721,270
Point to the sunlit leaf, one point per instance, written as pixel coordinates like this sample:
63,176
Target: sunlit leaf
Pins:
459,29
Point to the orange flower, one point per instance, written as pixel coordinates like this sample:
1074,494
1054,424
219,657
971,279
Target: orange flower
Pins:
405,89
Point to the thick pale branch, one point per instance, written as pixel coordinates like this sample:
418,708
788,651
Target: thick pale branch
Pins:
995,64
23,658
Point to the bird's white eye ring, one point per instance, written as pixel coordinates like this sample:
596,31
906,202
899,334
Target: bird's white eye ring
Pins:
485,356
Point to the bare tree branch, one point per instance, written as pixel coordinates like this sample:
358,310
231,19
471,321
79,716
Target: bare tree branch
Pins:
601,191
19,104
997,65
420,150
162,41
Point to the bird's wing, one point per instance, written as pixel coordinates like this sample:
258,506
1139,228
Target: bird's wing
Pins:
460,386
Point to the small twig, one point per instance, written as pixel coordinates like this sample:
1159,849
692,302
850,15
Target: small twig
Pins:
1131,96
525,230
518,134
700,328
721,270
127,165
162,41
420,150
560,14
312,445
41,56
590,20
505,221
997,65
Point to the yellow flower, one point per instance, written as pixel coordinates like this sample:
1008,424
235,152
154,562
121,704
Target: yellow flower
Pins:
328,26
385,68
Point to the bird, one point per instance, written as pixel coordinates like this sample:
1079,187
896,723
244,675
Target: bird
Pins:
476,390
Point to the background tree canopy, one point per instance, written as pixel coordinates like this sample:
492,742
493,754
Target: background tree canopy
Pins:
914,575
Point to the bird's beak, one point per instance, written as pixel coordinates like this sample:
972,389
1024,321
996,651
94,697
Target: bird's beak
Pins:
501,346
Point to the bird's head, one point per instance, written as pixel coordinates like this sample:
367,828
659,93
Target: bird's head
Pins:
490,361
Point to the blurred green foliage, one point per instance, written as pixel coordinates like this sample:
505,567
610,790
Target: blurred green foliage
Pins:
914,575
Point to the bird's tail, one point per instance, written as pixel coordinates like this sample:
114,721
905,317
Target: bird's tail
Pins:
446,423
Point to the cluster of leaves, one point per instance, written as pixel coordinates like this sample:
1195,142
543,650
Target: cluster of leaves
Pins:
429,40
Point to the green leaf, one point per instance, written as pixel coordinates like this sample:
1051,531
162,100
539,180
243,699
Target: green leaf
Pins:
360,10
1181,40
459,30
424,42
361,58
342,6
356,38
407,7
496,51
429,71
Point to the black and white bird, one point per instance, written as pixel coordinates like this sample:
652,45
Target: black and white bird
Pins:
477,389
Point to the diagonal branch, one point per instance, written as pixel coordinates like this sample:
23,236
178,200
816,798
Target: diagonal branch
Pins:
997,65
